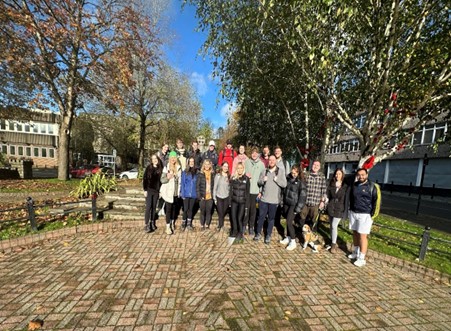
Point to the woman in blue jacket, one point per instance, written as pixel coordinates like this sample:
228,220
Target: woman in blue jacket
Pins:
188,193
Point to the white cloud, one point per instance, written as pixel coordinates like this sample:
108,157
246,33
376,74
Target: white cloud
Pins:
199,82
228,109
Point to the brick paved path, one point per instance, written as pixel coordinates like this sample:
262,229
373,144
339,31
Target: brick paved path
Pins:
128,280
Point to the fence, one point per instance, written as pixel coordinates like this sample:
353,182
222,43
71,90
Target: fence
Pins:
410,189
31,208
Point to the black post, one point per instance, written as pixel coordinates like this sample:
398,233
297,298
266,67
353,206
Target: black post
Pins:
391,187
410,188
94,207
425,163
433,191
31,217
424,243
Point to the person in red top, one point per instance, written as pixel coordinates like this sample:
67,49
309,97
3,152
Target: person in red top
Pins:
227,155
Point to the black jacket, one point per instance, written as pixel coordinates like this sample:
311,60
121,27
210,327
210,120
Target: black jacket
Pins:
336,207
197,156
363,198
151,179
239,189
295,193
201,185
212,156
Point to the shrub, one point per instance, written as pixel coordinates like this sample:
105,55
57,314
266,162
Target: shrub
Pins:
95,184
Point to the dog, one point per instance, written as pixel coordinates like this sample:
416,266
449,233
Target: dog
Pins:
311,239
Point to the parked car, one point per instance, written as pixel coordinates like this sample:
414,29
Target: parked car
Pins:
108,171
83,171
129,174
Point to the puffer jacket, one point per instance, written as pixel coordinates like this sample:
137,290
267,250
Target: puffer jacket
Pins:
188,185
295,193
151,179
239,189
201,185
337,200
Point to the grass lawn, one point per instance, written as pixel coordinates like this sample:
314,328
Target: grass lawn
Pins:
37,185
402,239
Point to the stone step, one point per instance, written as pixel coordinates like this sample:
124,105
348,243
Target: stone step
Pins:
121,214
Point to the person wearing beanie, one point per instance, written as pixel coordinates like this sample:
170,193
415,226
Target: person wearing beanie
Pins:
170,190
211,154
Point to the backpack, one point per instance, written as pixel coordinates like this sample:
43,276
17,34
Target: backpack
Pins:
377,208
232,154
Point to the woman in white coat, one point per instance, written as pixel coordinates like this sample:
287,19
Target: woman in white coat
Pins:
170,190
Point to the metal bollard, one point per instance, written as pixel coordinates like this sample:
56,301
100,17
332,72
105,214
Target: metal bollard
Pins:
391,187
433,191
31,216
94,207
410,188
424,243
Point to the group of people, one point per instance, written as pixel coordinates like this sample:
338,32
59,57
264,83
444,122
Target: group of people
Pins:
254,190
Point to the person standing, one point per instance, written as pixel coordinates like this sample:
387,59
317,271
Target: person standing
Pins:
271,181
188,193
241,157
316,195
170,190
253,167
265,156
163,154
195,153
211,155
363,200
181,153
151,187
294,197
336,205
239,196
221,193
281,164
204,188
227,155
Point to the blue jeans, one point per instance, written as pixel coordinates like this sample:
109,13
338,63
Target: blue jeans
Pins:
263,210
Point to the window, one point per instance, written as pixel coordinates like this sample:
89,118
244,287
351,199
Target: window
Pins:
28,151
36,152
44,152
27,127
2,125
35,128
51,153
50,128
43,128
11,125
429,134
4,149
19,127
12,150
20,150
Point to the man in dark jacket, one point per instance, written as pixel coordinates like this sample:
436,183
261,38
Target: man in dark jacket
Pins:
211,154
195,153
363,199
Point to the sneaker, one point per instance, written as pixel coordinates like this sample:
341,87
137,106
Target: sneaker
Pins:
352,256
267,240
359,262
334,249
168,229
285,241
292,245
251,232
230,240
257,237
202,228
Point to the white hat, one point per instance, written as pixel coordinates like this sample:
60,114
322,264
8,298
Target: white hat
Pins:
211,143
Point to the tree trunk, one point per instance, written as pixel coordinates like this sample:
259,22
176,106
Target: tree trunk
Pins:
142,140
63,147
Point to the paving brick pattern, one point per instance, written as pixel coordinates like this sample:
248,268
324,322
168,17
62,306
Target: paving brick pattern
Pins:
125,279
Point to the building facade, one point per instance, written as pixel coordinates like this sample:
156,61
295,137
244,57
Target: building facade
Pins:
404,167
35,138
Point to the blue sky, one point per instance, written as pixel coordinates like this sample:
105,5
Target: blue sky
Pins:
183,55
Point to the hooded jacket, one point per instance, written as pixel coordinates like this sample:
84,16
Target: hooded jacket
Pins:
295,193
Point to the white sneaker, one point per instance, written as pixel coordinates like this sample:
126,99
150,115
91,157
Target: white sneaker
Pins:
168,229
352,256
292,245
285,241
230,240
359,262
